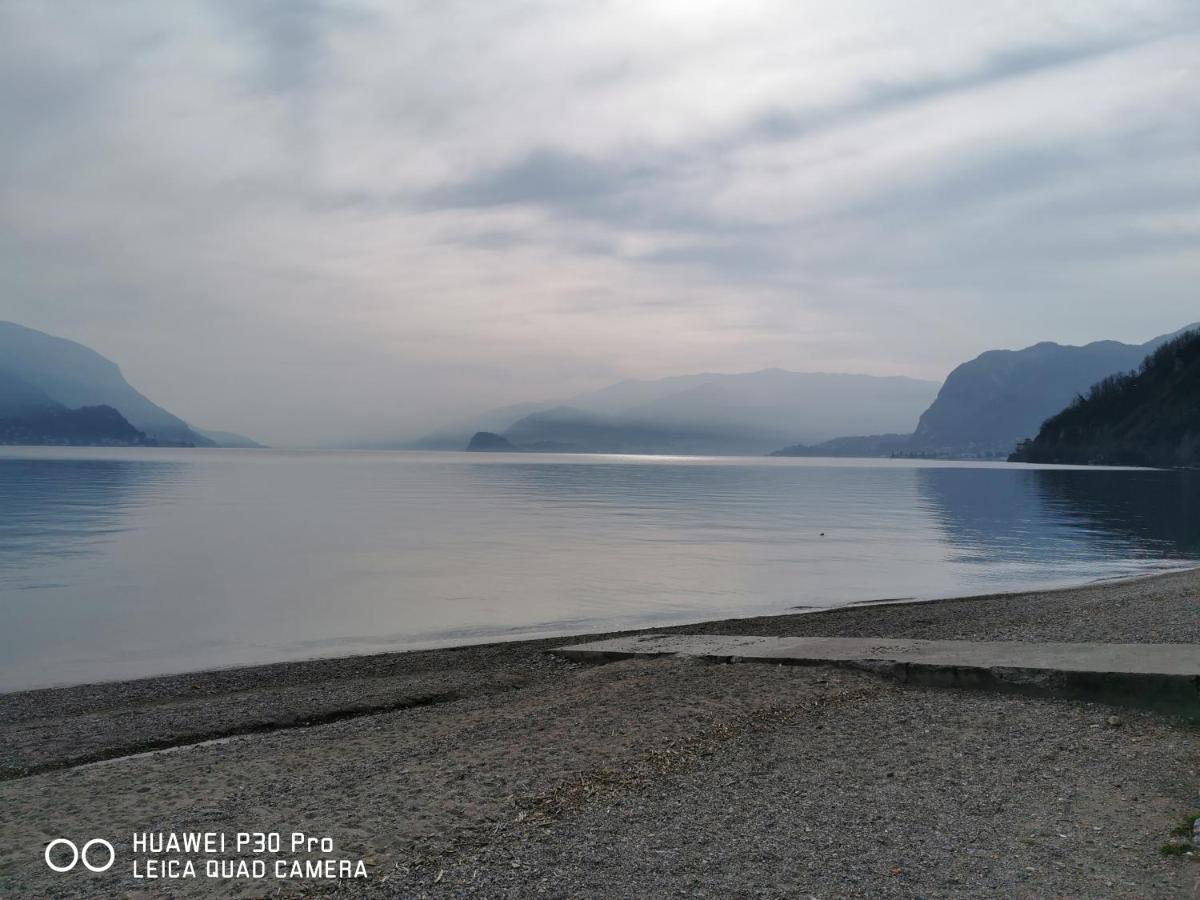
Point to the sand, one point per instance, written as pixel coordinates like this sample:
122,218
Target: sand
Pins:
502,771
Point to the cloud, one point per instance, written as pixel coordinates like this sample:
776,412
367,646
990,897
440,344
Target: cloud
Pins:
390,213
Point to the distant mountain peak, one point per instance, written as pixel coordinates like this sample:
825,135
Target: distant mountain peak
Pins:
1001,397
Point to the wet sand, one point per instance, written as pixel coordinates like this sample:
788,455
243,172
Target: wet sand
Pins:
500,770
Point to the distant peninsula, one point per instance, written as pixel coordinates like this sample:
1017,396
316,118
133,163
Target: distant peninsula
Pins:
489,442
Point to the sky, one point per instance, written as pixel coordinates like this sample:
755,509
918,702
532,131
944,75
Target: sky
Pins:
325,222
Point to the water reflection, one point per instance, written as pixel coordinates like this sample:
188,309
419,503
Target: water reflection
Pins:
117,564
809,498
1157,511
1064,516
54,509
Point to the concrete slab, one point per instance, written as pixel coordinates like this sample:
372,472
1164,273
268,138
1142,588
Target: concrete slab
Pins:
1164,677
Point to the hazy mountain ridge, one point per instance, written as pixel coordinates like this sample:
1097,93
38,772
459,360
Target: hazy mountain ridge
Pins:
18,397
860,446
49,374
1150,417
566,429
745,413
453,435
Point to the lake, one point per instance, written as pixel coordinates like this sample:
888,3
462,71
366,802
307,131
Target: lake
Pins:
127,562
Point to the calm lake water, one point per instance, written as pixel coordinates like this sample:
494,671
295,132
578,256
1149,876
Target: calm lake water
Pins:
118,563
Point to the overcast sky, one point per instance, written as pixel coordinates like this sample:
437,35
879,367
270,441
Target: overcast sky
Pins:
313,221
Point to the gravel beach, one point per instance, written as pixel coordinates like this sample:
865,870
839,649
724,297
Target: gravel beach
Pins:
502,771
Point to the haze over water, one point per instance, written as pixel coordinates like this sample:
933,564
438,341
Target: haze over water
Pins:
120,563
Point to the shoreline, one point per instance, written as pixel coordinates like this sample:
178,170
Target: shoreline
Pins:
499,770
703,624
182,709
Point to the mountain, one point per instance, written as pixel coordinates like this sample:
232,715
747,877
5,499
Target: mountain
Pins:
18,397
748,413
634,392
989,404
487,441
804,406
28,415
87,426
868,445
73,376
453,435
228,439
1150,417
570,430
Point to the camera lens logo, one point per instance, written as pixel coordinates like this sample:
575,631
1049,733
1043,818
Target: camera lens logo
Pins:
84,855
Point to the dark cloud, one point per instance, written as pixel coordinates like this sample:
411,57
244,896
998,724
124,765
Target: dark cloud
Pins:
550,178
629,191
881,97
